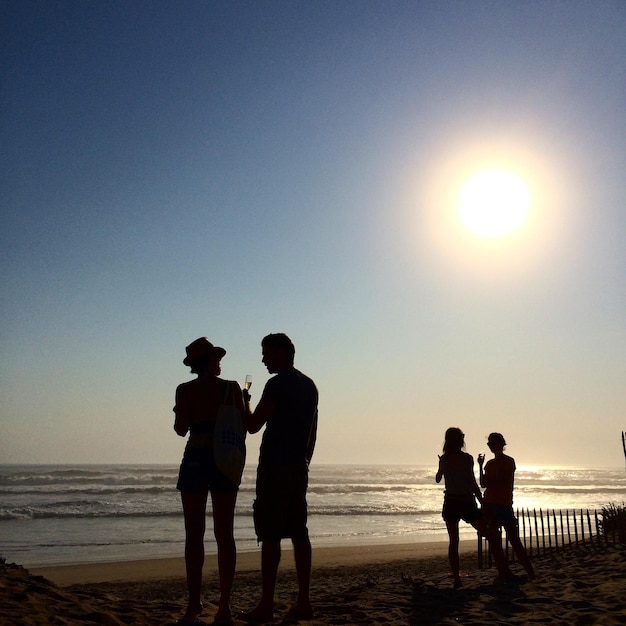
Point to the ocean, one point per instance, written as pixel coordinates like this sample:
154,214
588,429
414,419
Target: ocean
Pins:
61,514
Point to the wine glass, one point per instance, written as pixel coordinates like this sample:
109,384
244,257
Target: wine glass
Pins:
248,382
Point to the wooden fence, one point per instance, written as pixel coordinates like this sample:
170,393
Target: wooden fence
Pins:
544,532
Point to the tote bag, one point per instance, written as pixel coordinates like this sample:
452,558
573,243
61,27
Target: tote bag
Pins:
229,439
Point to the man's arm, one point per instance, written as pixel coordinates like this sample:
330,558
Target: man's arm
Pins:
483,476
312,439
257,419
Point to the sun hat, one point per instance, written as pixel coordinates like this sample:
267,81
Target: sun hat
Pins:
202,347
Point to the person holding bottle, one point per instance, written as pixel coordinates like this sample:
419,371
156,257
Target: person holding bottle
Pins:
497,478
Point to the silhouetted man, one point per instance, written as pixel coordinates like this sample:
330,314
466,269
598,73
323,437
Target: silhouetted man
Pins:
288,409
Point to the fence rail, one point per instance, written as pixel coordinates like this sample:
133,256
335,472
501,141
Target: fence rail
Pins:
544,532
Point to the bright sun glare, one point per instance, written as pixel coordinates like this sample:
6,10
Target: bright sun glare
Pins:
493,203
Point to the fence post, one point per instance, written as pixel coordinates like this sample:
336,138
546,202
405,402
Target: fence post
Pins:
536,531
569,536
484,549
595,514
549,530
556,531
582,528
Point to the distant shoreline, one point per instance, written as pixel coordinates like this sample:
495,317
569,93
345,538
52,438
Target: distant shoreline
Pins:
252,466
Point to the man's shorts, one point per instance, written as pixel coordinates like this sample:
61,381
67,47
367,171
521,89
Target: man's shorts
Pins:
456,509
199,474
280,508
501,514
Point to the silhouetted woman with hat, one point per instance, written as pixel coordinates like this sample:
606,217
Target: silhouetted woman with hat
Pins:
197,404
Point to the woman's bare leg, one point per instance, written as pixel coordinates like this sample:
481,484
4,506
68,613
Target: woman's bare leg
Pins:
453,552
223,522
194,510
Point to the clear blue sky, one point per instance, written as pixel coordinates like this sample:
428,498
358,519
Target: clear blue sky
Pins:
173,170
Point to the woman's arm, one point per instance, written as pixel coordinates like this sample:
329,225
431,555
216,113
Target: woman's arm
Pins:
439,474
475,488
181,419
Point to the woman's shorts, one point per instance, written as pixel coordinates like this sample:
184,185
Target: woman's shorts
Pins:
199,474
501,514
280,508
455,510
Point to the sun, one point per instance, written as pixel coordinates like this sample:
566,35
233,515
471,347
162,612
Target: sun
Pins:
493,203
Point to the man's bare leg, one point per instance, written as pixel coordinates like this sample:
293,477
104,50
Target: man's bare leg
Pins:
270,560
303,556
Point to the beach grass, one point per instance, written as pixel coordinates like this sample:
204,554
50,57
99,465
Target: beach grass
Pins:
613,522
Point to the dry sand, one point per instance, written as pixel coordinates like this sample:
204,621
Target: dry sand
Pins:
390,584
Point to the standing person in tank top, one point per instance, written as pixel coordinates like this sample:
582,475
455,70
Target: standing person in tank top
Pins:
497,478
197,404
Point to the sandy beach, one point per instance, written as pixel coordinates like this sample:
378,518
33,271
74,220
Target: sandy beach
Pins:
384,584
